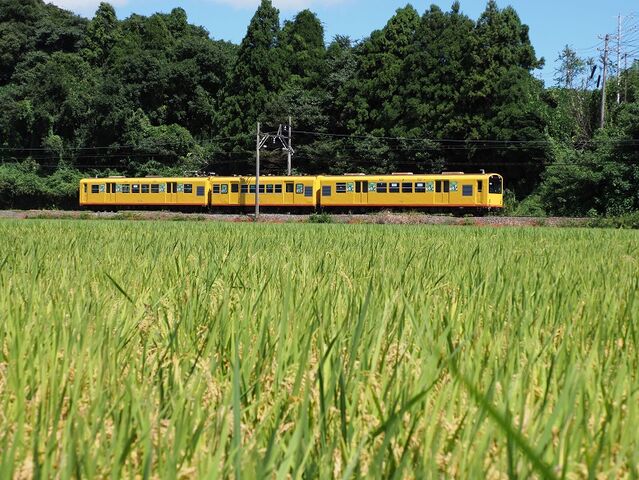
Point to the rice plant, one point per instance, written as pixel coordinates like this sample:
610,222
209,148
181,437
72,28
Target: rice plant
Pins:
197,350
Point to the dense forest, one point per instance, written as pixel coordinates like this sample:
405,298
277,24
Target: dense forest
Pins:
428,92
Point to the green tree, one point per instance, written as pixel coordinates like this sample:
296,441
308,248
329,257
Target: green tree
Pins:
505,102
570,68
102,34
377,100
258,74
302,47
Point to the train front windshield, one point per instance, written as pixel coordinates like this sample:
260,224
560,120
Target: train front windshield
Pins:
495,184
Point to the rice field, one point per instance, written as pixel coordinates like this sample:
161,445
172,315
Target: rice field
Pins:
206,350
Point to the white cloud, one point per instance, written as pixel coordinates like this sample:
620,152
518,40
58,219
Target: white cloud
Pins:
88,7
85,7
281,4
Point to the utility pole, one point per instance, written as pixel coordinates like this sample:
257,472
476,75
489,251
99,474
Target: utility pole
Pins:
602,119
618,58
289,150
257,173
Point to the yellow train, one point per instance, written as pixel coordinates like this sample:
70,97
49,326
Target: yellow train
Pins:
453,191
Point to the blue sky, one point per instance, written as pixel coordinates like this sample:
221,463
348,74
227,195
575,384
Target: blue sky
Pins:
553,23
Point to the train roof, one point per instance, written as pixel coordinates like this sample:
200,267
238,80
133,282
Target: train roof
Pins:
143,179
389,177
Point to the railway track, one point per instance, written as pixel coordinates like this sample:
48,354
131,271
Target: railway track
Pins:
371,218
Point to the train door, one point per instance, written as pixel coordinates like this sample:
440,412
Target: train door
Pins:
84,193
289,193
442,192
110,193
171,193
361,193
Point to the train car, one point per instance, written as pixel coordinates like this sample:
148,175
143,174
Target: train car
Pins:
456,191
275,192
145,192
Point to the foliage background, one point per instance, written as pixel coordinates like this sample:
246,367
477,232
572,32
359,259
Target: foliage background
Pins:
430,92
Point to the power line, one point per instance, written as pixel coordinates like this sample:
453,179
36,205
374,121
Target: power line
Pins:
120,146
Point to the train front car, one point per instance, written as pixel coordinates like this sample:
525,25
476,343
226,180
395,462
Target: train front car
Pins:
180,193
454,192
495,199
279,193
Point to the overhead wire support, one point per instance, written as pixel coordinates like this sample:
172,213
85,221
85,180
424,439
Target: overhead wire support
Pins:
260,141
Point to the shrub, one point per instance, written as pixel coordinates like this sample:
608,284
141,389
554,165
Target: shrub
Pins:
322,217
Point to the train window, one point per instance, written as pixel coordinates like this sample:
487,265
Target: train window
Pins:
244,188
252,188
446,186
299,188
145,188
438,186
467,190
365,186
216,188
326,190
188,188
200,191
420,187
358,187
407,187
308,191
225,188
278,188
169,187
393,187
262,188
85,188
155,188
269,188
126,188
340,188
381,187
95,188
494,184
235,188
480,186
108,188
135,188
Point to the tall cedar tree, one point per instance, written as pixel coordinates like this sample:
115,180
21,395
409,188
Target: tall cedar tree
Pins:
505,100
436,67
257,75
